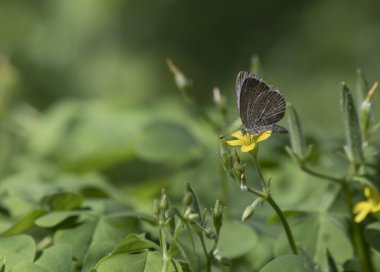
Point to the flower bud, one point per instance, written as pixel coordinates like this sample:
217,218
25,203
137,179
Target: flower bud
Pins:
248,212
156,207
181,81
365,112
219,100
217,96
209,233
193,216
187,199
164,203
222,260
218,215
188,211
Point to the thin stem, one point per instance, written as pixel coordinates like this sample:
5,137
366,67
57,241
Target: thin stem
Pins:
284,224
165,259
208,260
280,214
257,192
266,196
258,168
319,175
175,238
357,236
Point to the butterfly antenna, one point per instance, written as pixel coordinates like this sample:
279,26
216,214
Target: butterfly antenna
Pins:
224,135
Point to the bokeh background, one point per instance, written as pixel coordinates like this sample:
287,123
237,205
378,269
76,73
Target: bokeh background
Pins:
87,100
86,93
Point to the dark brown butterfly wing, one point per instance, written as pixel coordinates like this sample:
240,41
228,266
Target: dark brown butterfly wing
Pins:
251,88
255,83
268,109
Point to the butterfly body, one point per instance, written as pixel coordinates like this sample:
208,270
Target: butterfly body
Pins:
260,105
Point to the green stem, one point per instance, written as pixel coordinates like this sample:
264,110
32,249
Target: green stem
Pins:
280,214
165,259
284,224
259,172
175,238
257,192
208,259
319,175
357,235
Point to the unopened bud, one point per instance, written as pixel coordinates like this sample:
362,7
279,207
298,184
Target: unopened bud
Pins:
210,234
220,101
365,112
193,216
188,199
223,260
217,96
248,212
156,207
218,215
179,78
187,212
164,203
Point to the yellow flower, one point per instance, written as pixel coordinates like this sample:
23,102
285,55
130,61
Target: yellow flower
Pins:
248,142
372,204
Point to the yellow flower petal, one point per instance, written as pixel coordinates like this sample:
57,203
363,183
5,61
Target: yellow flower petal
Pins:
361,215
363,205
235,142
238,134
247,148
263,136
368,192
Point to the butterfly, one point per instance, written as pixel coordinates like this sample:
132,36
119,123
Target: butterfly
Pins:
260,105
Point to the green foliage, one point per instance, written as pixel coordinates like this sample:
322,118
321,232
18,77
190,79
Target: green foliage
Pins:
79,179
286,263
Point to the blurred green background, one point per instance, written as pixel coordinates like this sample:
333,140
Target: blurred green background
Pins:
85,88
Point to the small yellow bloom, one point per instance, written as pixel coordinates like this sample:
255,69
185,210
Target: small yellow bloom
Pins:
248,142
372,204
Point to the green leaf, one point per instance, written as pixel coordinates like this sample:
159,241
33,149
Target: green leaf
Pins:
328,234
95,253
236,239
114,227
297,139
372,235
56,258
54,218
78,238
331,262
286,263
134,243
17,248
167,143
63,201
143,262
28,267
354,146
24,223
